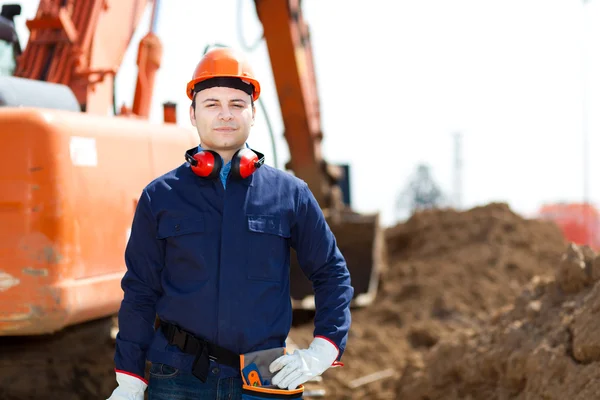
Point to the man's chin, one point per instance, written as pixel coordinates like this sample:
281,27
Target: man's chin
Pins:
230,145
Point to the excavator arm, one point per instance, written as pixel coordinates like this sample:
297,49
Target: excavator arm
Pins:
81,44
288,41
359,236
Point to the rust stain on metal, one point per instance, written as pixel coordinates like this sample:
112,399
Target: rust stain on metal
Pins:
40,248
55,294
34,313
36,319
7,281
16,317
51,255
35,271
14,326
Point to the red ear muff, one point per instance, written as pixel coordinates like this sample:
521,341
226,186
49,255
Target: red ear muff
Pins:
244,162
205,163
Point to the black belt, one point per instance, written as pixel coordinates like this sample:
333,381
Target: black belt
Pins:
202,349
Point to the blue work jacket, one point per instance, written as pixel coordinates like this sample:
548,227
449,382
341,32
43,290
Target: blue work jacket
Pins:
216,262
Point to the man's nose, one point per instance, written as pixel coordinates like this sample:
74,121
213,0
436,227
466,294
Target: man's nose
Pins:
226,113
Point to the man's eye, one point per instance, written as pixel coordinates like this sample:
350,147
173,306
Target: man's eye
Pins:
210,105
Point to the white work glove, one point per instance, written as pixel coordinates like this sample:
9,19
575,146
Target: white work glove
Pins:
303,365
130,388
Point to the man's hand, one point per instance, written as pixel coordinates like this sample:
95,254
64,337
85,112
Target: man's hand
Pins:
130,388
302,365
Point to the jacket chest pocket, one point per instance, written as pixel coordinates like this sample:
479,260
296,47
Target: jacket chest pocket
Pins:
186,239
269,248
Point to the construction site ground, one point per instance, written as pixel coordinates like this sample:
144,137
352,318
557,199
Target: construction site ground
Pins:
479,304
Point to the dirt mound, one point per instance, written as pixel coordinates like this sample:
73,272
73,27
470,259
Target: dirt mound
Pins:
545,346
448,272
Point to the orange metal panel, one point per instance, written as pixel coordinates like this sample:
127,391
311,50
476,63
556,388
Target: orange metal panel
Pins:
62,22
70,183
288,42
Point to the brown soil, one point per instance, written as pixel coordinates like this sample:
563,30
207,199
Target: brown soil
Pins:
543,346
448,273
75,364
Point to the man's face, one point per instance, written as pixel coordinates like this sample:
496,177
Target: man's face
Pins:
223,118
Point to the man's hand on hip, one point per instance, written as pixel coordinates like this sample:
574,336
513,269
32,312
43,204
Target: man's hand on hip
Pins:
130,388
303,365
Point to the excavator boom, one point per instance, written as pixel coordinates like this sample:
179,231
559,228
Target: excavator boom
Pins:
288,43
81,44
359,236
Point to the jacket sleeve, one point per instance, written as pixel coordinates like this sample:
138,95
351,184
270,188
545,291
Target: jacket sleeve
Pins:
324,265
144,258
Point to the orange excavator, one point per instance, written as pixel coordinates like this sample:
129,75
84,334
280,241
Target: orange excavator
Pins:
73,164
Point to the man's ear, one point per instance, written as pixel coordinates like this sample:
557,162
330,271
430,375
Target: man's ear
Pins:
192,114
253,115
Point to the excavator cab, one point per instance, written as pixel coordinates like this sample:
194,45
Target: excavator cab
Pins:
7,58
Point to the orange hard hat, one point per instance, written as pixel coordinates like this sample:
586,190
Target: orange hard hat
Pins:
223,62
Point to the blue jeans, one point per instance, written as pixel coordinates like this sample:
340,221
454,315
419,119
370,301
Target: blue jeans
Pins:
169,383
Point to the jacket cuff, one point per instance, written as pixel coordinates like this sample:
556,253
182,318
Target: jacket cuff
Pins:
336,363
119,371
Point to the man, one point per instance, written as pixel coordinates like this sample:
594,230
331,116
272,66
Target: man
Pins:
209,254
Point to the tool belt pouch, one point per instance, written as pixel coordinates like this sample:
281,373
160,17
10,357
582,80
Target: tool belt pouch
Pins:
257,378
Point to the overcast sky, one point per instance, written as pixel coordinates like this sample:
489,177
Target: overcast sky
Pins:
397,78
